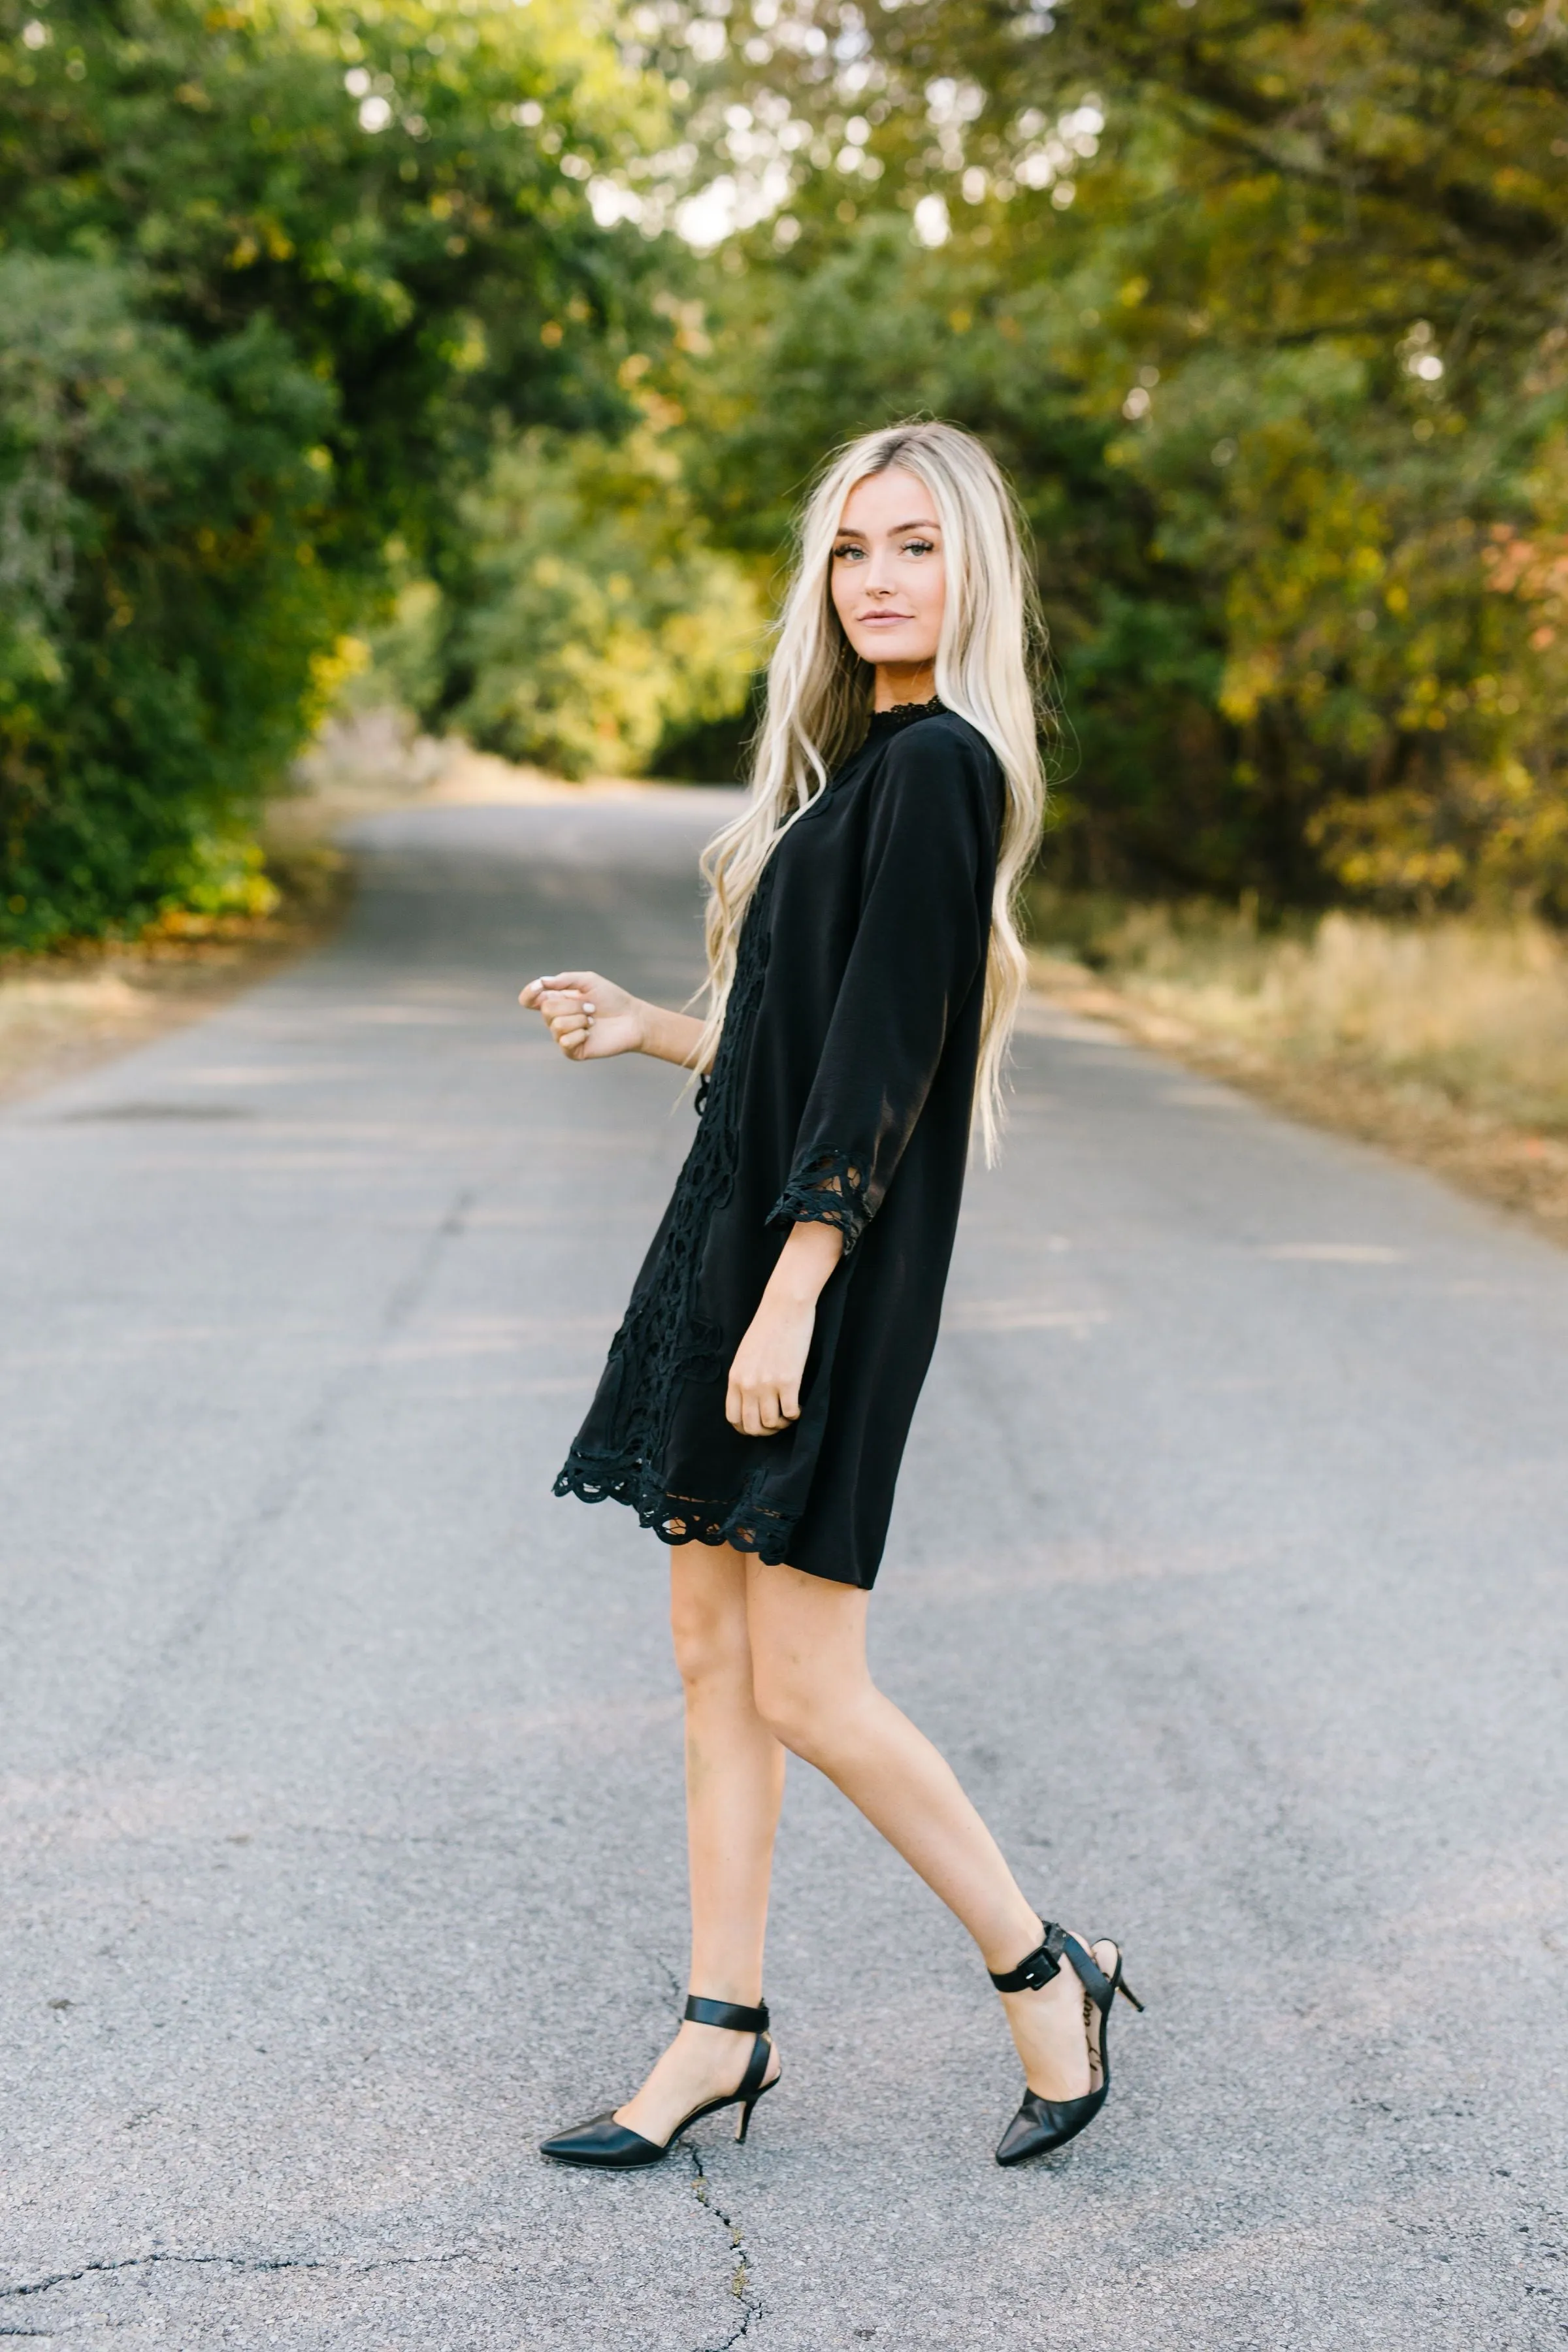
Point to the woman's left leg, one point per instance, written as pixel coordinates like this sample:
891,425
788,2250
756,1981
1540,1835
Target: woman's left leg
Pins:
814,1691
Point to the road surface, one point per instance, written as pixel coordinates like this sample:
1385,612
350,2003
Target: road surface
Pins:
341,1803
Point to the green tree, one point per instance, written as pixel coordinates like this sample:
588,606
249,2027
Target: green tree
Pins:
591,626
1290,278
272,275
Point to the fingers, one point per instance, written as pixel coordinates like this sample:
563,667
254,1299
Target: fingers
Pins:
543,996
569,1012
762,1410
581,980
571,1028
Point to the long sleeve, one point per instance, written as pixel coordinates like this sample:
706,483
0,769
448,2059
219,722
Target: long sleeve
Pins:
919,948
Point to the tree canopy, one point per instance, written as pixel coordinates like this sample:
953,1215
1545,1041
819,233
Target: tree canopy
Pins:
273,276
550,319
1262,304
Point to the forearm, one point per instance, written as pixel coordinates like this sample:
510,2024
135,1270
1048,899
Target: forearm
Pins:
805,1262
670,1036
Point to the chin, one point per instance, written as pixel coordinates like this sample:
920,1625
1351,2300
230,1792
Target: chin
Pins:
877,648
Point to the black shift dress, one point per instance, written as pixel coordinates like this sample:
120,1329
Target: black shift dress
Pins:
841,1090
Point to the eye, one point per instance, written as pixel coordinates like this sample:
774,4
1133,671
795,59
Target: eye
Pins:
848,552
919,547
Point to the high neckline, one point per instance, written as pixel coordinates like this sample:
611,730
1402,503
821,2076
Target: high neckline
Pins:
903,714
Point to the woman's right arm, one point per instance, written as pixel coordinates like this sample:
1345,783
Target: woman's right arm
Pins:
590,1018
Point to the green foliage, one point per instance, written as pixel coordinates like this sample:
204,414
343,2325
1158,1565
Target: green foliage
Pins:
1284,284
269,276
591,626
162,609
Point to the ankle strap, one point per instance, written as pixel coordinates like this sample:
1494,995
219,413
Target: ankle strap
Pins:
1043,1963
728,2013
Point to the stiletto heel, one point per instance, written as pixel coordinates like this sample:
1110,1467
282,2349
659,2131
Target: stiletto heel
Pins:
1041,2125
602,2141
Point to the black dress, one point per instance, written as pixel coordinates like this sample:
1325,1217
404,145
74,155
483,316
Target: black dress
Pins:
841,1090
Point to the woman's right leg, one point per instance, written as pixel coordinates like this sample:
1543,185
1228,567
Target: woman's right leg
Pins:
734,1785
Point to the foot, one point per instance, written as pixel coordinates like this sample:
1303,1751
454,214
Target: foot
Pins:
1056,2028
702,2062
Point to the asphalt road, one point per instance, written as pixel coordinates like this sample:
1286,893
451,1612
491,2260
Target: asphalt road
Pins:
341,1813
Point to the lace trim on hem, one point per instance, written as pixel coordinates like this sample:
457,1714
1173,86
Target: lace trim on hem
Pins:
830,1190
678,1518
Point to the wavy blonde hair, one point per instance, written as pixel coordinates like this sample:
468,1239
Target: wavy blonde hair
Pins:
989,669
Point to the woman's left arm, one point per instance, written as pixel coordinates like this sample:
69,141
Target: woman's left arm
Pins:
925,914
919,946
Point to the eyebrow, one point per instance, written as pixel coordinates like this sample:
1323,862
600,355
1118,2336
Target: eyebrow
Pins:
920,523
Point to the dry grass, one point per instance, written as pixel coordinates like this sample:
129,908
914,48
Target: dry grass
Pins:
1448,1042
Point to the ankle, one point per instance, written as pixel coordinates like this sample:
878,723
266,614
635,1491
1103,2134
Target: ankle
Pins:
1016,1940
711,2039
734,1988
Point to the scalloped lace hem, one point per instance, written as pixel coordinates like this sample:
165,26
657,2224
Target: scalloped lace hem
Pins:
678,1518
830,1190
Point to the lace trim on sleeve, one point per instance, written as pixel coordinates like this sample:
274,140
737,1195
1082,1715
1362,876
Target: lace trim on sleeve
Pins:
829,1189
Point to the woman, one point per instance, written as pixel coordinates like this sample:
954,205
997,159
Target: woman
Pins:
864,970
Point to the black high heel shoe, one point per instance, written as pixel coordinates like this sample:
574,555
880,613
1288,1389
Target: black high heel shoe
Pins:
1043,2123
614,2147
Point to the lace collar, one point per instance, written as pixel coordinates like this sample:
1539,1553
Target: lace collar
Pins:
902,714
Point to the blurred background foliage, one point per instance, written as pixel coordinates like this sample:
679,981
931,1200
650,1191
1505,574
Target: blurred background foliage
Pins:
585,624
273,279
505,336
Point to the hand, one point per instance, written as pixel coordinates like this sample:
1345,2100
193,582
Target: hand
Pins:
588,1016
764,1394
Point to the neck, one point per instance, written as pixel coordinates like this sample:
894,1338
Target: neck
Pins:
903,682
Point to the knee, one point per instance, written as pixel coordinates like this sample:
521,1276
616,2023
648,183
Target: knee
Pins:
711,1649
793,1711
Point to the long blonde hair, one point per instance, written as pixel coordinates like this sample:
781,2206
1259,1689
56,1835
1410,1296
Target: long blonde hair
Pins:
819,697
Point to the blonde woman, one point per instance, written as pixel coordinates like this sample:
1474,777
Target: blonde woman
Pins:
865,971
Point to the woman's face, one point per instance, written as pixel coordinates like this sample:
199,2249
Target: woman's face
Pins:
887,579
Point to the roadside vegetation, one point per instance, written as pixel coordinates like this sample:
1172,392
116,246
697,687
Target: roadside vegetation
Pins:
1472,1014
274,276
1445,1040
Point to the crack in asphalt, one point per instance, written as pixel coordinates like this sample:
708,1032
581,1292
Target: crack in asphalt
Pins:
252,2263
741,2285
